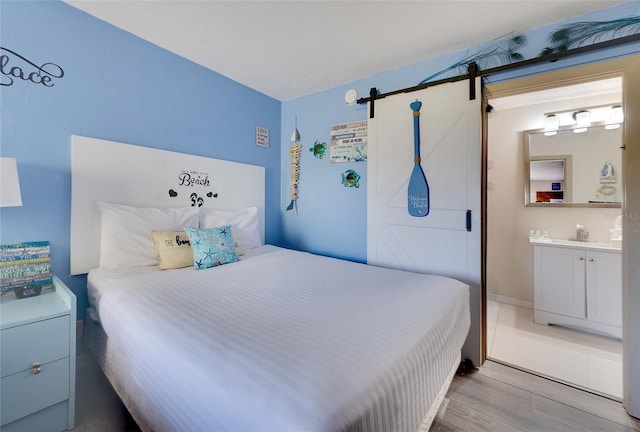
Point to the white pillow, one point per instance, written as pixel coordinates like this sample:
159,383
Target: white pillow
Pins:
244,224
126,232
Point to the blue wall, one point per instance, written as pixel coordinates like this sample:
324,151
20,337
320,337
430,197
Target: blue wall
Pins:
332,219
120,88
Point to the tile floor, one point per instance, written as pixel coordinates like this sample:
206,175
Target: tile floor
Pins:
582,359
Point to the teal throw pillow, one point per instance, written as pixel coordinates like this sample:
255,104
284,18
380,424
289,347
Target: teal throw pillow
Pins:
212,246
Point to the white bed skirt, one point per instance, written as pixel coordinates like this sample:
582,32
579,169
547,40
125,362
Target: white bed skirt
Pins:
109,359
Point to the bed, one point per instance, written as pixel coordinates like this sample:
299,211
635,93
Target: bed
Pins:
271,340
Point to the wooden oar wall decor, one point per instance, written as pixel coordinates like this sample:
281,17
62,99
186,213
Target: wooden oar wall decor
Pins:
418,190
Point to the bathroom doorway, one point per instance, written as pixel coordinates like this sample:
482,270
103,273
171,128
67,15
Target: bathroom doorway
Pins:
520,112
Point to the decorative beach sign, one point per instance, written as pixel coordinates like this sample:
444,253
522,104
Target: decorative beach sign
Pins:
418,190
348,142
25,268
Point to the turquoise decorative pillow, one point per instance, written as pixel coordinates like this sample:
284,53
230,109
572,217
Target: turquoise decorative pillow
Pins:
212,246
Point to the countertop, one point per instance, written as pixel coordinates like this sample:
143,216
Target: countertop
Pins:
589,245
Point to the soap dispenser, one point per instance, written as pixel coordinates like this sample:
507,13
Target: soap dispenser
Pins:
581,234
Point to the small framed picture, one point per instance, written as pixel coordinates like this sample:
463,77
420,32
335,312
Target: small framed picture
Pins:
555,186
262,136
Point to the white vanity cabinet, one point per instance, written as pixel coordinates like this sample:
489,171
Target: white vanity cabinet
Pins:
579,285
604,287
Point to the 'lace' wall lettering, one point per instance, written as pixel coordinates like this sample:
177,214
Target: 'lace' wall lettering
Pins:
14,67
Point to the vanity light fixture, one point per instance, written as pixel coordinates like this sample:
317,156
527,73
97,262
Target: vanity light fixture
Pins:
551,125
583,121
616,116
609,116
582,118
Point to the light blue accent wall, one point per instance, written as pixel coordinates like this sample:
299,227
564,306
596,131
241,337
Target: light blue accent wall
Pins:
117,87
332,219
121,88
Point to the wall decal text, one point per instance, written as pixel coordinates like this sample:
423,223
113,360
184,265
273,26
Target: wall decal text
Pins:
15,67
190,179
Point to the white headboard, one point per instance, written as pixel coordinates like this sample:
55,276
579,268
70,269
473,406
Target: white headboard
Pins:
146,177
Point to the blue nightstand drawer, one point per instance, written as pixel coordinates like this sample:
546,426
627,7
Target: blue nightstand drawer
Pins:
26,392
41,341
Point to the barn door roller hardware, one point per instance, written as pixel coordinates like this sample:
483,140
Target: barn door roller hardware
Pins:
472,68
475,72
373,93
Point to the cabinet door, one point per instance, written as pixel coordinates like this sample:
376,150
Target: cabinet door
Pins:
604,287
559,281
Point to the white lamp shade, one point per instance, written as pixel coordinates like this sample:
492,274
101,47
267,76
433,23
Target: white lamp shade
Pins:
551,125
616,115
583,119
9,183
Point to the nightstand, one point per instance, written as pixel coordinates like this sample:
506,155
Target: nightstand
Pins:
38,361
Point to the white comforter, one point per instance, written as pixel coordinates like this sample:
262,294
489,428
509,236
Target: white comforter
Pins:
283,340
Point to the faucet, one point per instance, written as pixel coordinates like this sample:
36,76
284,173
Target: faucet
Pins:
581,234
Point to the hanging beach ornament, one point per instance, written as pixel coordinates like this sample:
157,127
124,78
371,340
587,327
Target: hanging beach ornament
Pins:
294,153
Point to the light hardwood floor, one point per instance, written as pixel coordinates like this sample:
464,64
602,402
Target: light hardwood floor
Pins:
501,398
494,398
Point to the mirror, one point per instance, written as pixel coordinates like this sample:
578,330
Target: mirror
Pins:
571,169
550,179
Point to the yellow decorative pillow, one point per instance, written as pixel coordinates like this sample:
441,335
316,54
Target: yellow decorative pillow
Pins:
173,249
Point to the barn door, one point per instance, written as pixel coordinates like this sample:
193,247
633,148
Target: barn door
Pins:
447,241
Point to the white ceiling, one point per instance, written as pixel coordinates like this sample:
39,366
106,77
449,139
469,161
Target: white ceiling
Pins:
608,86
288,49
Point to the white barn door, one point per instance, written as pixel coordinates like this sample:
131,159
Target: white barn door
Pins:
451,151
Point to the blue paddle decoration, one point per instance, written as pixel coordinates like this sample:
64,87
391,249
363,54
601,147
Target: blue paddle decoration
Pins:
418,191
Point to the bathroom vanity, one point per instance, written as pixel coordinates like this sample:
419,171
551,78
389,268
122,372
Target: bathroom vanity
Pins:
578,284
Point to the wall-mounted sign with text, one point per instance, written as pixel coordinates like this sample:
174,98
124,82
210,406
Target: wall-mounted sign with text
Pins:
262,136
349,142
